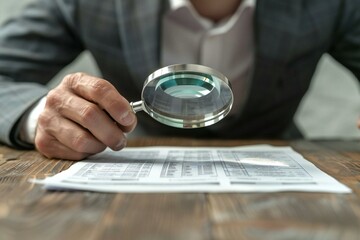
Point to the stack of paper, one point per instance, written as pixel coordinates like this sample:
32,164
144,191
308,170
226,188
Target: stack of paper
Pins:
259,168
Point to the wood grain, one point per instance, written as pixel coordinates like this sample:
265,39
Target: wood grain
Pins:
29,212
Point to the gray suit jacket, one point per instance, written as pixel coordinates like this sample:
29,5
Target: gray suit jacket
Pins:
124,38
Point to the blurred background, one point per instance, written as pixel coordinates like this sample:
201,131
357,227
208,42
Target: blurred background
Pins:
329,110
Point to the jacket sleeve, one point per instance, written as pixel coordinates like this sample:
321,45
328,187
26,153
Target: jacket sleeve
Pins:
346,40
33,48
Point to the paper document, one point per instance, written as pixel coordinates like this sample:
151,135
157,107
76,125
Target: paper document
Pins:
259,168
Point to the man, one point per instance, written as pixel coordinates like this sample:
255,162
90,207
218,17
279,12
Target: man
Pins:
269,50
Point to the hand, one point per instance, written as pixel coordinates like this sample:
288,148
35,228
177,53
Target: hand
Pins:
83,116
358,123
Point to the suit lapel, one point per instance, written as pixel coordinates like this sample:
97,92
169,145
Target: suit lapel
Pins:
276,23
139,26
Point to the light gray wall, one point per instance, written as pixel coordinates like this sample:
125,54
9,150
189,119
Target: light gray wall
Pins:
329,110
332,105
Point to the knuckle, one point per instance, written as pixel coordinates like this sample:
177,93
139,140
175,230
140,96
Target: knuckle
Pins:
50,148
47,120
44,146
101,88
53,98
89,113
58,100
80,142
43,120
72,79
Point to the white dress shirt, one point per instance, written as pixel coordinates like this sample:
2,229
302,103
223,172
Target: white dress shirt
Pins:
226,46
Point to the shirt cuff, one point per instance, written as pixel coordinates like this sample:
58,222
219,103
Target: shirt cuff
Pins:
29,122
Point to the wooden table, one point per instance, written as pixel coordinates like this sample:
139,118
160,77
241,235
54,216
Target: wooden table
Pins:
29,212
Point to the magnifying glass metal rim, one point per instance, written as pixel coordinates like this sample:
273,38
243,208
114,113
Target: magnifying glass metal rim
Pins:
204,120
185,68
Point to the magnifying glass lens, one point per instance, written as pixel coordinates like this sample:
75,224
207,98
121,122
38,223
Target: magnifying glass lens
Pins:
187,96
185,85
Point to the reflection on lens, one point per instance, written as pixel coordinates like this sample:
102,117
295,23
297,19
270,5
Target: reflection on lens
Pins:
187,96
186,85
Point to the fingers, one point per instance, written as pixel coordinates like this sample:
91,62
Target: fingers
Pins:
83,116
70,141
70,134
90,116
50,147
105,95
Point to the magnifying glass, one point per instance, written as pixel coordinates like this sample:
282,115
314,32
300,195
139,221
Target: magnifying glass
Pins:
186,96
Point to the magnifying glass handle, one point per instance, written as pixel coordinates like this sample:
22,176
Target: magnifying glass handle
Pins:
137,106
